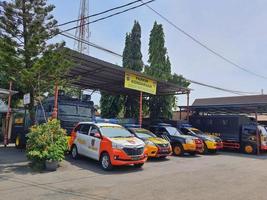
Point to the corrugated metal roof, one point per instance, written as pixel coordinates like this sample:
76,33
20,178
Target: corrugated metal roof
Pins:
236,100
233,105
4,93
91,73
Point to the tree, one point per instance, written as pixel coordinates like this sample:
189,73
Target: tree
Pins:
160,68
110,105
132,59
26,56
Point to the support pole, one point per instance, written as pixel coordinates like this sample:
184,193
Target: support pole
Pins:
141,109
257,134
55,111
187,113
8,115
180,113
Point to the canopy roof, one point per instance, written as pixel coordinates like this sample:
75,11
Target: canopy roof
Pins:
91,73
237,104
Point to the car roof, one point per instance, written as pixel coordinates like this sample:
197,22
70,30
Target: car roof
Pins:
101,124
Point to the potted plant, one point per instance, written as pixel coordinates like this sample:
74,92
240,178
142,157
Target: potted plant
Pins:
46,145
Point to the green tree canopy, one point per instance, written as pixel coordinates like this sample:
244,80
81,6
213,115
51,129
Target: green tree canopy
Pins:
26,55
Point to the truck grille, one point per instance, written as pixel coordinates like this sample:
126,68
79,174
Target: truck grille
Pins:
134,151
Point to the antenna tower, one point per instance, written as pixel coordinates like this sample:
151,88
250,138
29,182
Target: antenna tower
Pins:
82,31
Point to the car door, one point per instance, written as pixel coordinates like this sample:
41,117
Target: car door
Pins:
163,133
82,139
94,141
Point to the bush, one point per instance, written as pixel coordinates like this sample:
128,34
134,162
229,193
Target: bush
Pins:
46,142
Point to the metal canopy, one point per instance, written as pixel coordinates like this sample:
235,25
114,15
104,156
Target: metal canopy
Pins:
91,73
232,105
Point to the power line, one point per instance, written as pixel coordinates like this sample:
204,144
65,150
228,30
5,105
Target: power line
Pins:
205,46
100,13
191,81
112,15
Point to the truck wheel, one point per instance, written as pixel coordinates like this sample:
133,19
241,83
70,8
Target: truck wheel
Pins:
249,149
74,152
105,162
138,165
178,150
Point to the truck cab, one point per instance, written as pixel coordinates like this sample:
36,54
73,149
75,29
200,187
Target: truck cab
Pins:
180,143
70,112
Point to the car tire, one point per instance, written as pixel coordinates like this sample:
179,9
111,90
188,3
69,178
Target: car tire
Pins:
74,152
140,165
212,151
206,150
192,153
178,150
105,162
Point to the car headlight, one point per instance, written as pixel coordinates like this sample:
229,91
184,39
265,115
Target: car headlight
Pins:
189,141
150,143
211,140
117,146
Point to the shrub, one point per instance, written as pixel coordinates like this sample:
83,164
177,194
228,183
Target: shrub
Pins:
46,142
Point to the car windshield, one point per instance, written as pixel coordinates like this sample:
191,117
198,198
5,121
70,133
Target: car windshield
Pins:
173,131
196,131
144,134
115,132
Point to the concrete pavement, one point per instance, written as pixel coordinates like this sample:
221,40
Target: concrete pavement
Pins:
223,176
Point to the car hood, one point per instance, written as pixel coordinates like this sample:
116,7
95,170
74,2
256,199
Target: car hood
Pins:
157,140
129,142
187,137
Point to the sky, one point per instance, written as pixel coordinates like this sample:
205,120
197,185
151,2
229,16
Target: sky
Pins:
236,29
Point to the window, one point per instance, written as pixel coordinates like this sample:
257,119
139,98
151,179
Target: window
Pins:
115,132
77,128
84,111
94,130
84,129
67,109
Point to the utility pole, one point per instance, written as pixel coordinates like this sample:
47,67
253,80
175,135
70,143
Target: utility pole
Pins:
82,31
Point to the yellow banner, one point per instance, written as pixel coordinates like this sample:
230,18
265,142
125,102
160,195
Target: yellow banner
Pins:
140,83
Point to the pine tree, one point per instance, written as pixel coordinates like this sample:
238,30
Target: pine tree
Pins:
26,57
132,59
160,68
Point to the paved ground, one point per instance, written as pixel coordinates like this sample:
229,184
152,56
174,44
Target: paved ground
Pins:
226,176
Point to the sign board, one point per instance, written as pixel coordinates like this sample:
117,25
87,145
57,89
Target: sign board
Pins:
26,98
140,83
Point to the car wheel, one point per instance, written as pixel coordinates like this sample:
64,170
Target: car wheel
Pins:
138,165
74,152
212,151
178,150
193,153
205,149
105,162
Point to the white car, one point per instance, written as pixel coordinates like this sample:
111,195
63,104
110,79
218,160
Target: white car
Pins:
111,144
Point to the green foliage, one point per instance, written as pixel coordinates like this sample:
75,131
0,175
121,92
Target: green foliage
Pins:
132,59
160,68
111,105
26,56
46,142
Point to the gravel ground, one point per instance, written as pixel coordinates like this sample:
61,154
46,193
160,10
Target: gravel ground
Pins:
225,175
